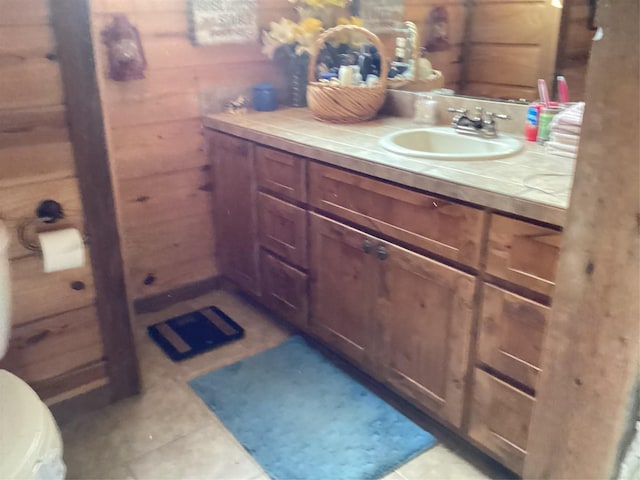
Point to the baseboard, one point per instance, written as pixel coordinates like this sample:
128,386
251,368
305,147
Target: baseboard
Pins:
71,408
160,301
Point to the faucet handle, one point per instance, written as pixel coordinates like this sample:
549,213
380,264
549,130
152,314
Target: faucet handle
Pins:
501,116
462,111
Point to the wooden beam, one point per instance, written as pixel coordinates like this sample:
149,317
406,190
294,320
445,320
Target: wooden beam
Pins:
71,24
590,356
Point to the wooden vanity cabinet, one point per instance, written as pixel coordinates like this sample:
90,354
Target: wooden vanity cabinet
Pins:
405,317
235,212
402,316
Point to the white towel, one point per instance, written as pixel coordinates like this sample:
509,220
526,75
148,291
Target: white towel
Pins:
566,129
564,138
561,149
570,117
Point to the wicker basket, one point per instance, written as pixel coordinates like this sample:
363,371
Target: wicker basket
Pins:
345,104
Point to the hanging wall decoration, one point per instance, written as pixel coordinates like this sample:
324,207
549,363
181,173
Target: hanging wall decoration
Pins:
214,22
382,16
437,31
124,50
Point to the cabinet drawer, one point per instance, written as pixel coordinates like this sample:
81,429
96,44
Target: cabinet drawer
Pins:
282,173
442,227
523,253
284,289
500,418
283,229
511,334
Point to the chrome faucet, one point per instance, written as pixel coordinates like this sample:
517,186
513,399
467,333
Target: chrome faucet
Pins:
482,124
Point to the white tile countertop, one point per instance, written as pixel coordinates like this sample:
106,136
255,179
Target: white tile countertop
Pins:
531,184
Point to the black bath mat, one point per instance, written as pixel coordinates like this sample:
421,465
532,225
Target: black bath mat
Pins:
193,333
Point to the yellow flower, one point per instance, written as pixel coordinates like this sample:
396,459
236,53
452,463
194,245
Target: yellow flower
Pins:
347,37
310,25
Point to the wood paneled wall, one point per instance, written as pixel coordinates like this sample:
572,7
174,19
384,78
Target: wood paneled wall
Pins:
575,46
161,176
162,181
512,44
56,344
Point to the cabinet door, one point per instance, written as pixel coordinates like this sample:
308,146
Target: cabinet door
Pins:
235,210
341,287
424,312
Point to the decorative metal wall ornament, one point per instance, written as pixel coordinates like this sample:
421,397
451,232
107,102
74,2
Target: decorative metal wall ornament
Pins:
437,31
124,50
215,22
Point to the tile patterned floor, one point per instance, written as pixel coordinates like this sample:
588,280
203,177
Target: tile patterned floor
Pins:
168,433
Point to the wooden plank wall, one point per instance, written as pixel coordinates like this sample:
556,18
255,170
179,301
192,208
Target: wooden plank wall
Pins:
512,44
163,190
157,154
55,331
574,51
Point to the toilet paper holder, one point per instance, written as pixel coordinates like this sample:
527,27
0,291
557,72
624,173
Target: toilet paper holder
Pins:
48,212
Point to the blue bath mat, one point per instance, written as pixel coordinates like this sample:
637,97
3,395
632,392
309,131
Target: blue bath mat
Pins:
302,418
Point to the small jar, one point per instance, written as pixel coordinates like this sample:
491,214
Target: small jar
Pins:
426,110
264,97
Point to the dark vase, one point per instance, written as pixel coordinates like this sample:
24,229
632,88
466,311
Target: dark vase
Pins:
298,77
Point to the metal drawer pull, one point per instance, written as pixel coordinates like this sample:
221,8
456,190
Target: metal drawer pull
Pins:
381,252
367,246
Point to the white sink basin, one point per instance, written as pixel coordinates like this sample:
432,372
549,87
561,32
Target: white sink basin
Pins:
443,143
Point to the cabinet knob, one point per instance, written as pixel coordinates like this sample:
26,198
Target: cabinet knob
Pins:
367,246
381,252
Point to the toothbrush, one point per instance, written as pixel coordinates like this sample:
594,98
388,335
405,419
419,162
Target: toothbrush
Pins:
543,91
563,89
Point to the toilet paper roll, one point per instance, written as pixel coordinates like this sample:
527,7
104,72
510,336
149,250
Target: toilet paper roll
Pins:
62,249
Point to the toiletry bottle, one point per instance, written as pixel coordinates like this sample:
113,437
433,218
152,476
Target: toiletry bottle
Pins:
531,125
426,110
365,62
401,43
357,76
345,74
375,60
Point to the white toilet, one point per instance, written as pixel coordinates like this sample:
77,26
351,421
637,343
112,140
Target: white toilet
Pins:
30,441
